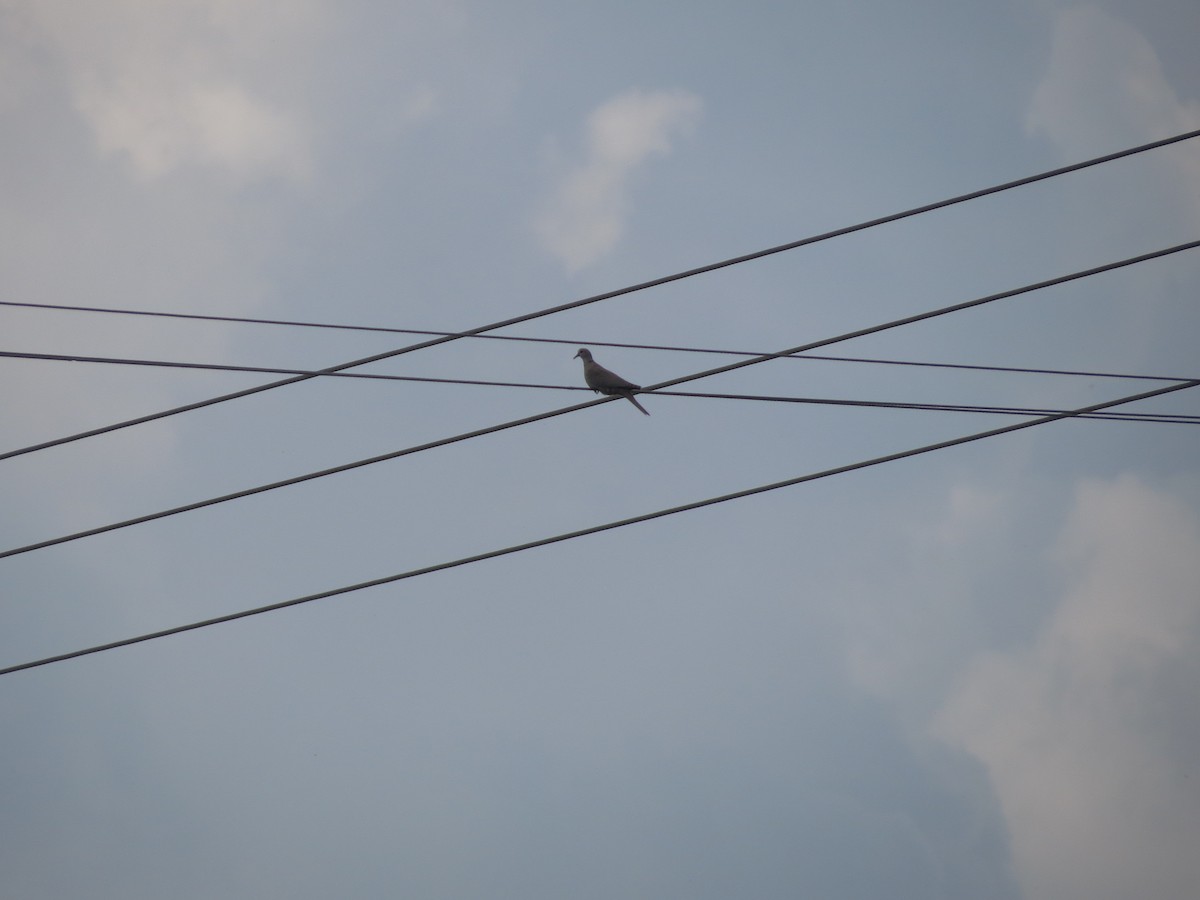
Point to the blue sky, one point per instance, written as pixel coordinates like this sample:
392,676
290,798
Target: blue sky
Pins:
970,673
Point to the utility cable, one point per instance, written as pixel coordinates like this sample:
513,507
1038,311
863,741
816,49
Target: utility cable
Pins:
414,331
1025,370
503,426
608,295
753,358
596,529
569,342
1180,418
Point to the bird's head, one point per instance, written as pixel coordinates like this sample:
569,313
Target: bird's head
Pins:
584,354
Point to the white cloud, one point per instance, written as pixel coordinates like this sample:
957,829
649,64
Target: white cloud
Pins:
1088,735
584,218
1105,88
1105,85
187,83
163,87
913,610
210,124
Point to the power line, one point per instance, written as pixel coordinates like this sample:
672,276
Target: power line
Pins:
395,454
1146,418
1026,370
595,529
750,361
1178,418
569,342
783,247
920,317
608,295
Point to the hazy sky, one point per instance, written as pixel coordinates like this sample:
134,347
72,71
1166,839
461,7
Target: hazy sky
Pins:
972,673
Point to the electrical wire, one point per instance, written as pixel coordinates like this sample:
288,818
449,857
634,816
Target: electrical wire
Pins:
571,342
608,295
1169,418
750,361
1026,370
595,529
503,426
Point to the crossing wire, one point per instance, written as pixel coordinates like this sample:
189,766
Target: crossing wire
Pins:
1025,370
1166,418
572,342
395,454
608,295
594,529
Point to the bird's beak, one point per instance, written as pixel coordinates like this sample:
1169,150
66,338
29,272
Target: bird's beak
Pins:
576,356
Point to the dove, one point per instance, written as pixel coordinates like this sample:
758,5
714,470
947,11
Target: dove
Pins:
602,381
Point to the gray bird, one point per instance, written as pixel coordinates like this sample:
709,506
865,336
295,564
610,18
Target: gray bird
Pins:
602,381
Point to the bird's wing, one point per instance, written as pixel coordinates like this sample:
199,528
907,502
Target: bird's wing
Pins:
601,379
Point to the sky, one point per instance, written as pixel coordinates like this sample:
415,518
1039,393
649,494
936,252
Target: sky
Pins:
967,673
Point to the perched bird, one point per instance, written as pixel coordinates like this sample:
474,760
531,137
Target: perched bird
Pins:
602,381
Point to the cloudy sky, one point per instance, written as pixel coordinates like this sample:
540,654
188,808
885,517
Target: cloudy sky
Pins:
970,673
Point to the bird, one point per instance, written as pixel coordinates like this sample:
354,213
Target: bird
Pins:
602,381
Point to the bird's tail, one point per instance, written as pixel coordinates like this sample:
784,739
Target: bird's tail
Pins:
630,398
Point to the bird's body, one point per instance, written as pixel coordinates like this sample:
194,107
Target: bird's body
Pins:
602,381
